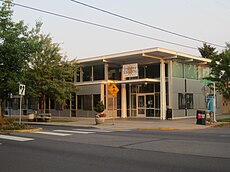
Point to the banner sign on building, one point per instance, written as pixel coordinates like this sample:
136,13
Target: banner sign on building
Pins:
130,70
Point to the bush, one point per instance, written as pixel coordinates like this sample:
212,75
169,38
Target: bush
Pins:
11,124
100,107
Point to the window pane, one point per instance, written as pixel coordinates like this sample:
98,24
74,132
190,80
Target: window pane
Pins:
114,73
87,73
181,101
96,99
189,100
191,71
98,72
203,72
79,102
178,70
87,104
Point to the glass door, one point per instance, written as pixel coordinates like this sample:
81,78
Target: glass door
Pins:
150,105
141,106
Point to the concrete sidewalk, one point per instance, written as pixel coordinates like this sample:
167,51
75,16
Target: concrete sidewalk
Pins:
133,123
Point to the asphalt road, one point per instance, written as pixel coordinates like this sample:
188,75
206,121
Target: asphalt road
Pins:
72,149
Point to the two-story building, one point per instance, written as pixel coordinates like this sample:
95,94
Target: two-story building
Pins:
152,83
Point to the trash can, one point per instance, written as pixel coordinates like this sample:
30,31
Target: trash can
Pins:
169,113
201,117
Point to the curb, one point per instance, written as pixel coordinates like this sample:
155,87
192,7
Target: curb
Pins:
219,125
21,131
63,125
164,129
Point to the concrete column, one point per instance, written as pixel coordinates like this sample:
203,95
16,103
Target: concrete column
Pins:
123,97
102,93
163,89
106,77
170,84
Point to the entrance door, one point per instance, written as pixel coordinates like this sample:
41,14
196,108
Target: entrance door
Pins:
146,105
141,106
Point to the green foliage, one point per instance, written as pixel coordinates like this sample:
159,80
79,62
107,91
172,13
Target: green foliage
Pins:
100,107
220,71
207,50
48,72
32,58
14,50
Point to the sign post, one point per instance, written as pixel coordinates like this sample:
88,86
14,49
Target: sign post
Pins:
21,91
113,91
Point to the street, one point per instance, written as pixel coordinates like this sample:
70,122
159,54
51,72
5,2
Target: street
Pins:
78,149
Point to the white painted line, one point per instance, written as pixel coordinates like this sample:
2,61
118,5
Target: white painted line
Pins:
52,133
76,132
15,138
94,130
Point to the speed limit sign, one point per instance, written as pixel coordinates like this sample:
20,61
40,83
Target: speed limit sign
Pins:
22,89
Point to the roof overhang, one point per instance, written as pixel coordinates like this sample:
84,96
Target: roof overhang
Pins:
133,81
144,56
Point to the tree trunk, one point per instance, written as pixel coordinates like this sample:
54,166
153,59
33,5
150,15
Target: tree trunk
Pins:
1,114
43,108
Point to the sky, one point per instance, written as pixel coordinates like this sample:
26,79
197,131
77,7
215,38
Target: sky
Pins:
206,20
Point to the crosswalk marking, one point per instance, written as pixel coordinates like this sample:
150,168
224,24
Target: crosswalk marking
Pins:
76,132
52,133
94,130
15,138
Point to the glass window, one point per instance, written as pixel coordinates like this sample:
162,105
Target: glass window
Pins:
189,100
114,73
96,99
178,70
185,101
78,76
79,102
141,72
98,72
203,72
181,101
87,102
87,73
191,71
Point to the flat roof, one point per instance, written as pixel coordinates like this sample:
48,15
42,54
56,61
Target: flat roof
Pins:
144,56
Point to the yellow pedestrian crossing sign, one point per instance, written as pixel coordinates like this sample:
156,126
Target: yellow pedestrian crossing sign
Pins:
113,89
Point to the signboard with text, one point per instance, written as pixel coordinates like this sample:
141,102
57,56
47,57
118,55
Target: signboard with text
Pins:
130,70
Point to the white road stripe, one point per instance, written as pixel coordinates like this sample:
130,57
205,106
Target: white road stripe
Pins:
94,130
52,133
15,138
76,132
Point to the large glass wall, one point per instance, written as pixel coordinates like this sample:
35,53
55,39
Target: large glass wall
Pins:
149,71
92,73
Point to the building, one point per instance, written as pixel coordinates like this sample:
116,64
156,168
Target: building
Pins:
148,83
152,83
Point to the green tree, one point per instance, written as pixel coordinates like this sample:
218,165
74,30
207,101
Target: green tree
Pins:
14,51
48,72
207,51
220,71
